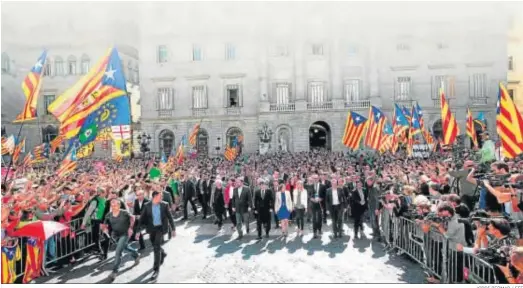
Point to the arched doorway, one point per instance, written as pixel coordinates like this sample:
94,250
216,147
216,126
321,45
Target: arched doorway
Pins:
233,137
166,140
202,142
319,136
437,130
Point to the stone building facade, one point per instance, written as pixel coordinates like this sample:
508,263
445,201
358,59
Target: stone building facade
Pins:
300,68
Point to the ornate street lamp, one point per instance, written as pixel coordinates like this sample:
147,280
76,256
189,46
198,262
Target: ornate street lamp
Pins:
144,140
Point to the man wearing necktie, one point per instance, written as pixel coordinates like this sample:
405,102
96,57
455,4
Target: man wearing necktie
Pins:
336,205
358,207
317,197
241,205
263,203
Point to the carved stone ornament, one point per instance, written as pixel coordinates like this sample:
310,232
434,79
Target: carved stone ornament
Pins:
265,134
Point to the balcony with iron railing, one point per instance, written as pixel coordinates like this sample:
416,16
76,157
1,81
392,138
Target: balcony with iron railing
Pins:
233,110
199,112
482,101
319,105
165,113
275,107
357,104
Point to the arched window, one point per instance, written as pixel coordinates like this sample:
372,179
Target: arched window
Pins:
6,63
71,65
166,140
130,75
58,66
437,130
234,135
202,142
86,62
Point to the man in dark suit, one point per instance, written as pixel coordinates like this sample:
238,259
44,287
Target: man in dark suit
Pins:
241,206
188,196
335,202
156,218
139,202
205,191
263,204
317,197
358,207
326,185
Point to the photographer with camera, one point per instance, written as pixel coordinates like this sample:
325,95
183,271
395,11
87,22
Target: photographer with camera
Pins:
489,201
465,189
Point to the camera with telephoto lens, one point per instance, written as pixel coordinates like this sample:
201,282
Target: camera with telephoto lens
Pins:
433,217
496,255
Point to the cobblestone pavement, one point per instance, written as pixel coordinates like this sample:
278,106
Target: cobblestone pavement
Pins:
201,254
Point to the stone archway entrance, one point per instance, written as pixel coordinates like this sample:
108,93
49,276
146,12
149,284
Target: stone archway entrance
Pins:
319,136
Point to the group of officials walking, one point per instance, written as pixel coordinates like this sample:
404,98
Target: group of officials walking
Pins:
282,201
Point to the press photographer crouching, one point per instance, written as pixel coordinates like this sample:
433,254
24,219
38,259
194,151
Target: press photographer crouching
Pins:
492,235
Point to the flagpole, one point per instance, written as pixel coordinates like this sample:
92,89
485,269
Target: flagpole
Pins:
11,162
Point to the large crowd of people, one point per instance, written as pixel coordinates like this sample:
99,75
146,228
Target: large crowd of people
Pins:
475,202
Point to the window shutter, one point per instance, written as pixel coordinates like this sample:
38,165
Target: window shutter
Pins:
225,96
172,98
291,99
192,96
240,95
157,99
206,96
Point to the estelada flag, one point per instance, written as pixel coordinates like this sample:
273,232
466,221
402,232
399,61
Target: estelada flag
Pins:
9,257
33,260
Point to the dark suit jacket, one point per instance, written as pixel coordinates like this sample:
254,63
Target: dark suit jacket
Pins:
167,197
263,205
218,201
341,198
242,203
146,218
137,210
188,189
322,190
355,205
207,187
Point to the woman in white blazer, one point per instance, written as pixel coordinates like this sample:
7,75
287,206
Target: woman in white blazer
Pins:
283,207
300,205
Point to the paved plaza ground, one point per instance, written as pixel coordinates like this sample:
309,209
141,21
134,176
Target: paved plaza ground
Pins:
200,254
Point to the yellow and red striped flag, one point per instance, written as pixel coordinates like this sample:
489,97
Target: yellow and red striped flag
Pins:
194,135
428,138
56,142
230,153
387,139
31,88
449,125
104,83
375,128
18,150
68,165
118,158
471,132
354,128
8,146
28,160
509,123
179,153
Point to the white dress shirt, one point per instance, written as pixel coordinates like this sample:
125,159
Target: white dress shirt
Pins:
362,197
335,200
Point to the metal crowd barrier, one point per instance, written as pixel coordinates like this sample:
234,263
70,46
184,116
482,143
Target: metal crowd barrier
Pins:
434,252
60,246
